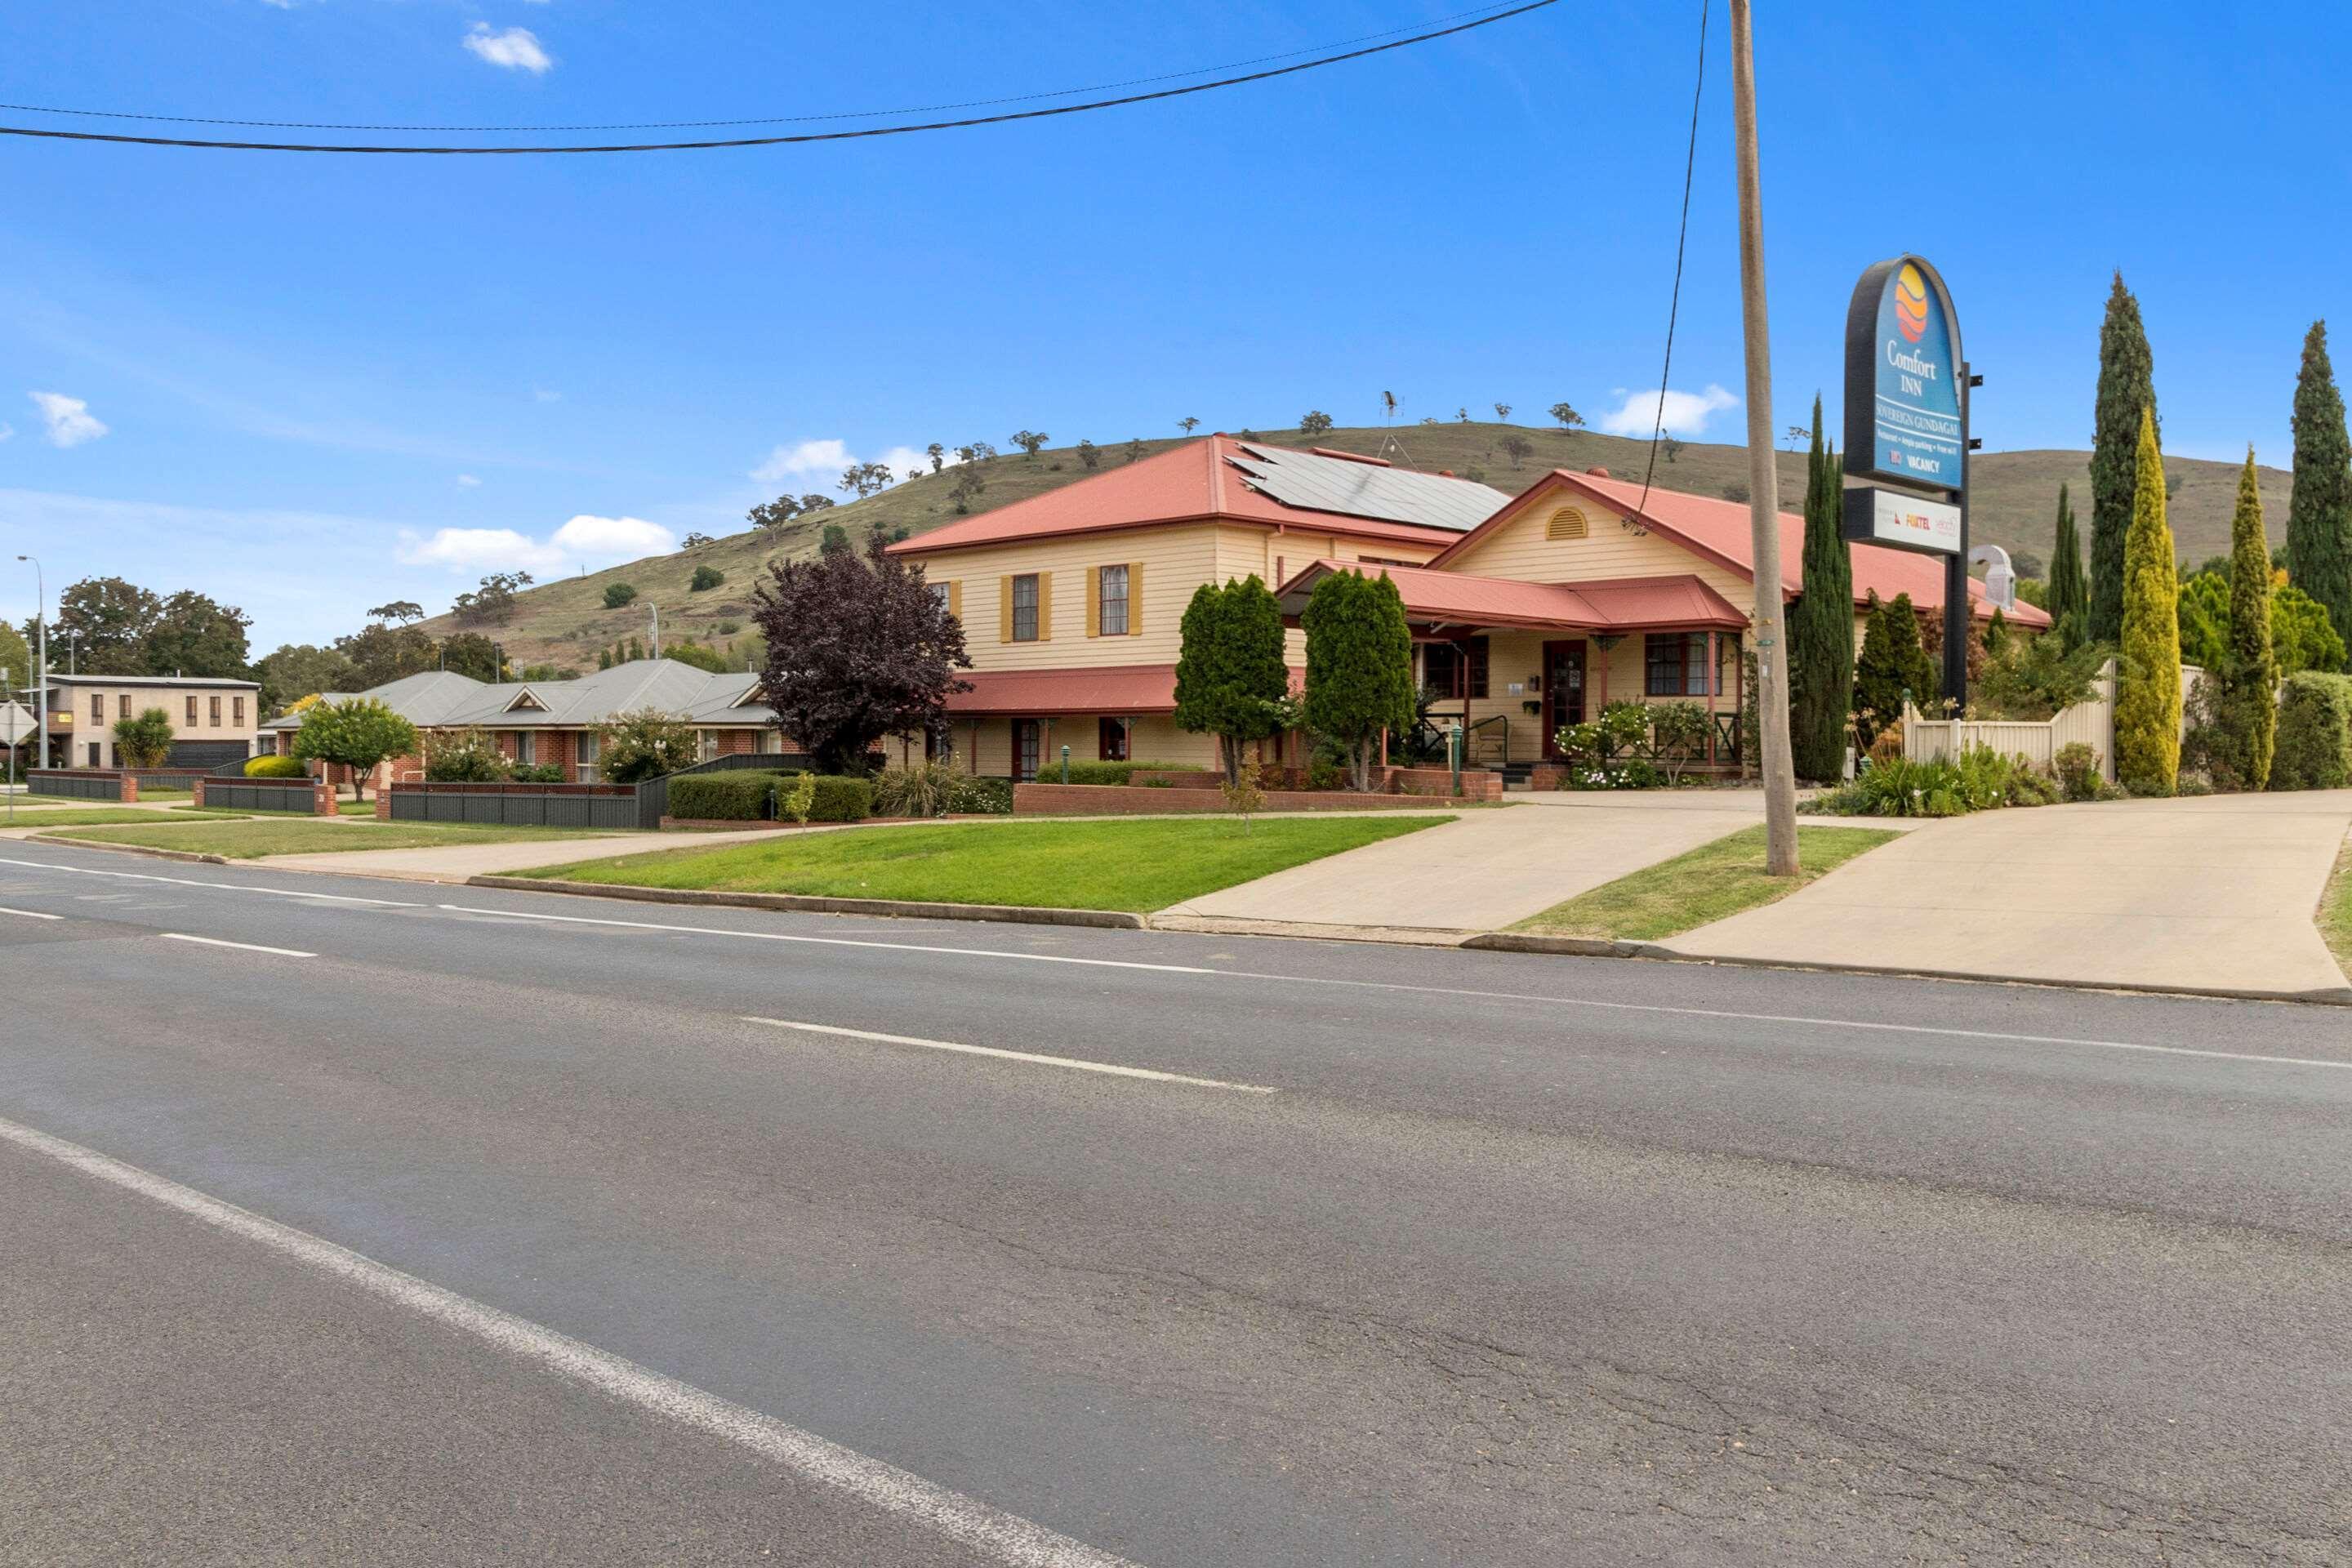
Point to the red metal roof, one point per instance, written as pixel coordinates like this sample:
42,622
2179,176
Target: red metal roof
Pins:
1190,483
1115,688
1457,598
1718,531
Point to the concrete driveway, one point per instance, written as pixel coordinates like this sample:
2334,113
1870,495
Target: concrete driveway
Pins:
1486,869
2209,894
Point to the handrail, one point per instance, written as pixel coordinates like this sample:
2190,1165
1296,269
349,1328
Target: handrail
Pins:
1470,729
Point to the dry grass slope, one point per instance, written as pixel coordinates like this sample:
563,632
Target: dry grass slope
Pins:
565,622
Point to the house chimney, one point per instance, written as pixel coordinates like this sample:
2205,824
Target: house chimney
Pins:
1598,472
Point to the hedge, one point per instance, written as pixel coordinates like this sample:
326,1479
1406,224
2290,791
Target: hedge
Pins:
840,799
2315,732
1097,773
747,795
275,768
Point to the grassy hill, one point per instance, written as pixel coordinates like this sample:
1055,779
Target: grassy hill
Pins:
564,622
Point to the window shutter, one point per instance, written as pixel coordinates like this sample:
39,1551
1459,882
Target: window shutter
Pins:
1045,606
1094,601
1004,604
1135,598
955,600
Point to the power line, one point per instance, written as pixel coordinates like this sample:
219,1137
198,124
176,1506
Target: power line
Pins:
802,137
1673,307
768,119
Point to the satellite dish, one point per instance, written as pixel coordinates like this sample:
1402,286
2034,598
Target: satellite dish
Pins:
2000,578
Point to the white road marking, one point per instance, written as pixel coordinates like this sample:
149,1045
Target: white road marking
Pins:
1154,1075
221,887
832,941
1006,1538
240,946
32,914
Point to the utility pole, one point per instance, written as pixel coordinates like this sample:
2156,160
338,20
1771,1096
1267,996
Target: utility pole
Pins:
1763,474
41,658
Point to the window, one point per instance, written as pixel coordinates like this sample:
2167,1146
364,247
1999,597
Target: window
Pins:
215,712
591,751
94,751
1028,739
1024,607
192,709
1456,670
236,711
945,593
1111,587
1674,664
526,748
123,705
1113,747
1567,523
98,707
708,744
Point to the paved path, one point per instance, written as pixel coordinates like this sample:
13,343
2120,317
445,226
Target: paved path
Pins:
2215,893
1486,870
1523,1262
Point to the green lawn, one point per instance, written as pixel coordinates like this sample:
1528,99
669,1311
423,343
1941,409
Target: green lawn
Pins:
2336,911
1709,883
166,794
91,816
251,838
1135,866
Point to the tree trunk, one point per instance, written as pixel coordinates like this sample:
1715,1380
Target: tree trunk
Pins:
1359,764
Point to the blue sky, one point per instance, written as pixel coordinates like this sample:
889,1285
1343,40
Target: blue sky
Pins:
305,369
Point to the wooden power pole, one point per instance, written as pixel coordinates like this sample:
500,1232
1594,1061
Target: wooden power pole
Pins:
1763,476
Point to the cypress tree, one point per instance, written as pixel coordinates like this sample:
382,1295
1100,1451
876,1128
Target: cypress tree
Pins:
2127,393
2069,596
1893,663
2250,674
1358,663
2319,513
2147,710
1230,672
1821,624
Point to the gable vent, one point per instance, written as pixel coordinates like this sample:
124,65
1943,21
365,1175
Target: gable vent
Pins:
1567,523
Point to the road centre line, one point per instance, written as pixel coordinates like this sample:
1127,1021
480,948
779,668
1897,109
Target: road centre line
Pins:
240,946
833,940
1006,1538
221,887
32,914
1152,1074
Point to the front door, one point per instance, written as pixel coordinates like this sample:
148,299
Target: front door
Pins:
1026,740
1563,691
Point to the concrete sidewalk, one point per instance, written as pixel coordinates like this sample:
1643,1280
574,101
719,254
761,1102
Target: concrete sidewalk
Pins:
2209,894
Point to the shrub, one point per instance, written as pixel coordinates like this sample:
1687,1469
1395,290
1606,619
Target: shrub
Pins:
2079,777
2315,732
926,789
705,578
839,799
1601,752
1091,772
144,742
619,595
1679,732
277,768
743,796
537,772
463,756
981,798
1886,746
645,744
1320,775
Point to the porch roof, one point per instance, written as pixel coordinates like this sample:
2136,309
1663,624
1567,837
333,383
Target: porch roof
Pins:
1458,599
1115,688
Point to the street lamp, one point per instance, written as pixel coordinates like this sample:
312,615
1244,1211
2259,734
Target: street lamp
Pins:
41,686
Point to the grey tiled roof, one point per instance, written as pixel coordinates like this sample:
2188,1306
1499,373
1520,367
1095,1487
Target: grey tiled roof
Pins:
438,699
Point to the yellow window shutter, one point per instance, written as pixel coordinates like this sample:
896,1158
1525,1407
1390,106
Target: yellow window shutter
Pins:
1004,604
955,600
1094,601
1045,606
1135,598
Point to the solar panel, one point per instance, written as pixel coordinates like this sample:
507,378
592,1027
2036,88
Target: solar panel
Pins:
1364,490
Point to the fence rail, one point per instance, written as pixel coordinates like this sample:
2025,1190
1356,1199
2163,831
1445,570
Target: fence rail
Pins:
78,784
2092,723
520,805
298,795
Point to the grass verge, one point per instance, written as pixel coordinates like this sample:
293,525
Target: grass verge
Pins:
1134,866
253,837
2336,911
93,816
1706,884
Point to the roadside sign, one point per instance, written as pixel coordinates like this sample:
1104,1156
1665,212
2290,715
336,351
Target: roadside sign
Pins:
1903,399
1876,516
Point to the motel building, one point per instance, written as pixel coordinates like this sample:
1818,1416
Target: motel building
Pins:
1528,612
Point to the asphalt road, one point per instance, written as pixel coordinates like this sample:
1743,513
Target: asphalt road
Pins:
1370,1256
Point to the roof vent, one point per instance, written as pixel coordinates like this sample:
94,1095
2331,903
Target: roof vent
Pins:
1598,472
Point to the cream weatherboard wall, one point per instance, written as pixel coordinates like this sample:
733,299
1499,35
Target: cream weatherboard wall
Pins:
1167,562
1542,546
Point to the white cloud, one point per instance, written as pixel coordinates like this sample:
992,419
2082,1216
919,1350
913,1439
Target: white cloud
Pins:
1686,412
468,481
516,48
826,458
613,538
70,420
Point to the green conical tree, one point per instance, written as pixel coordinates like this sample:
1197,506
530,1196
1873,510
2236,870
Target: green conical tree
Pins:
2147,709
1821,624
2069,596
1893,664
2126,394
2250,714
1230,673
1358,663
2319,512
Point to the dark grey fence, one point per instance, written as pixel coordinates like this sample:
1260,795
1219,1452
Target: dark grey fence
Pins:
80,784
261,794
205,756
521,805
167,777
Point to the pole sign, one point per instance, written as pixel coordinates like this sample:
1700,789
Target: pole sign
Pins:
1906,522
1903,393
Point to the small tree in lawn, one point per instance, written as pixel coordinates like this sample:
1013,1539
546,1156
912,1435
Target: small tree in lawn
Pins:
857,650
1243,797
359,734
1358,665
796,797
1231,680
143,742
644,744
2147,709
